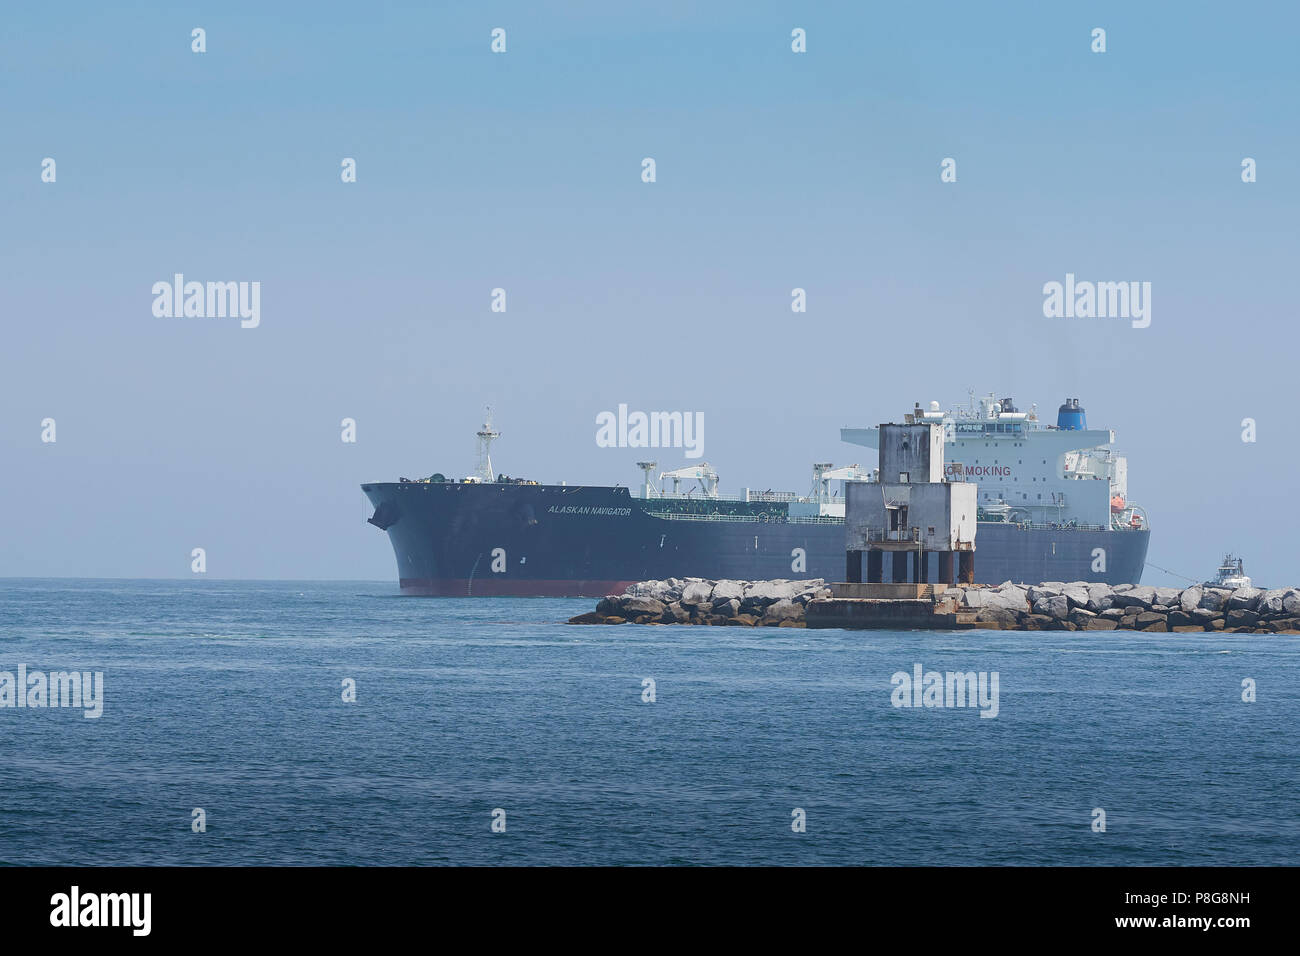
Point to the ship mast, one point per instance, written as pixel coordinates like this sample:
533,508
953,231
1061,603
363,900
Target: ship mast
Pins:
486,435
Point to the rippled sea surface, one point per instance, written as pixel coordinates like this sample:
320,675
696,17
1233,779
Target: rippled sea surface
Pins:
228,696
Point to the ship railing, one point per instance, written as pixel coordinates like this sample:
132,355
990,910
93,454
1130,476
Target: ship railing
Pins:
677,516
750,519
1052,525
774,496
906,534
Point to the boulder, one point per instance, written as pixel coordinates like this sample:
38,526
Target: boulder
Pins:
994,616
975,597
1190,599
1012,598
638,606
742,620
1284,625
1167,596
727,607
1291,603
1055,606
1077,594
1179,619
1142,597
1101,597
1270,602
1114,613
1080,617
1147,618
1099,623
591,617
676,614
726,590
1213,599
1039,591
1128,621
1244,598
765,592
1204,615
1037,622
615,619
608,604
783,610
697,592
1241,617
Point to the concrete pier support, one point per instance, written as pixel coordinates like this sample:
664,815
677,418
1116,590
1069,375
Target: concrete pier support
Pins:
875,567
945,568
966,569
853,567
900,567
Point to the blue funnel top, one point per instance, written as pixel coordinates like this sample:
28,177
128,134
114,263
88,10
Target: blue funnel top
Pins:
1071,416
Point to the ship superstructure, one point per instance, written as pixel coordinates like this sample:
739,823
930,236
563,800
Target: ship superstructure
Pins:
1030,472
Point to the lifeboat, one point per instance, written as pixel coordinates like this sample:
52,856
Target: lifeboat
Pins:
1116,504
1135,521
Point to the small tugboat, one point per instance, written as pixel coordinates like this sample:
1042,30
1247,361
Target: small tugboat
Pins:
1231,574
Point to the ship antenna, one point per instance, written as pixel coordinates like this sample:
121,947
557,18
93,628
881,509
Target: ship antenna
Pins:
486,435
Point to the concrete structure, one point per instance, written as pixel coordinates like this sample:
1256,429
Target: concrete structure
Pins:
911,510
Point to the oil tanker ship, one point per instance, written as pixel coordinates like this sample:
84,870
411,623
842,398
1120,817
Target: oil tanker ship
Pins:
1053,506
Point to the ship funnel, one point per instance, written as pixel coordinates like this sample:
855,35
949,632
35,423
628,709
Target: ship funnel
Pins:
1071,416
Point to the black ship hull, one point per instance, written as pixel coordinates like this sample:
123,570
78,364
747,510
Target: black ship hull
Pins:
507,539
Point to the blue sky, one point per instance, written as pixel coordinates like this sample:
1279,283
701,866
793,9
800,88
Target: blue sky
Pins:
522,171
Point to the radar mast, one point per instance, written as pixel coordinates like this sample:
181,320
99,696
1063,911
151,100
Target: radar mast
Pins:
486,435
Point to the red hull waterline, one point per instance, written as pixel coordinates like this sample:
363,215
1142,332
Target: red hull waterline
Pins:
499,587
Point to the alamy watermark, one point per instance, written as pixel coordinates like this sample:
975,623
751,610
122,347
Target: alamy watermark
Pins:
75,908
36,689
1098,300
212,300
651,430
924,688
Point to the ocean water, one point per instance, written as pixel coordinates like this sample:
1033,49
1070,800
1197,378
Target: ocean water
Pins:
227,696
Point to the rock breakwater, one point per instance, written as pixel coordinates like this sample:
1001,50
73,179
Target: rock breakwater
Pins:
1050,606
717,603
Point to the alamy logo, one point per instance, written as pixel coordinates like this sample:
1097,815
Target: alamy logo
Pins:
1098,300
213,300
951,689
653,430
102,909
36,689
